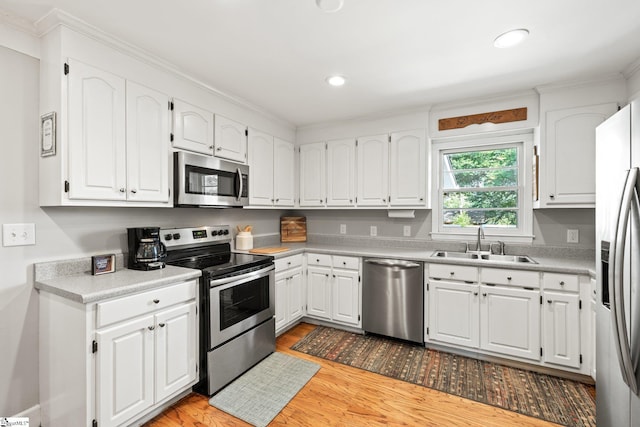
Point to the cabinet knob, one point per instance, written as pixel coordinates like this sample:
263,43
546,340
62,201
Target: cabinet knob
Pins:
562,283
219,149
484,294
334,276
122,190
277,200
317,260
271,200
156,301
549,301
475,294
151,328
211,147
327,274
161,325
134,191
289,263
421,199
344,263
452,273
552,196
508,277
384,200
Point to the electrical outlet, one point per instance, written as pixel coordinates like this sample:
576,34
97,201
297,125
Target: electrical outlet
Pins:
573,236
374,231
18,234
343,228
406,231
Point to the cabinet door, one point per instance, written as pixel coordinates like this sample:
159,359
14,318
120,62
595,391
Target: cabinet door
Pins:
283,174
261,164
230,140
346,297
510,321
569,160
147,144
373,170
408,175
341,176
176,346
97,146
319,292
453,313
295,289
312,174
124,371
192,128
561,329
281,300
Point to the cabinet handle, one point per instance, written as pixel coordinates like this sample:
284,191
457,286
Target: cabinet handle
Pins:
327,274
508,277
344,263
484,294
552,196
452,273
317,260
161,325
134,191
562,283
384,200
156,301
288,262
211,147
549,301
334,276
219,149
271,200
277,200
151,328
421,199
122,190
476,294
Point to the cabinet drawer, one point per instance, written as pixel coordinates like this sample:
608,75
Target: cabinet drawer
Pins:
453,272
560,282
319,259
498,276
119,309
288,262
347,262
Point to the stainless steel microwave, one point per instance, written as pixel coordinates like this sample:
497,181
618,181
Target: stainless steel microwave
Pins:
204,181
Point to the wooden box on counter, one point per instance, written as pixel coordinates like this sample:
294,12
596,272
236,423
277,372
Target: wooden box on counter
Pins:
293,229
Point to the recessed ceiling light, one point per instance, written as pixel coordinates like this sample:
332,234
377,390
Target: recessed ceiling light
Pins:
511,38
329,5
336,80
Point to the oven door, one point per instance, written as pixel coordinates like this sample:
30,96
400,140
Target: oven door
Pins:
239,303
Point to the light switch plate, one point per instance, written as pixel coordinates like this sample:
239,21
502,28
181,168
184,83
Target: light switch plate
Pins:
406,231
573,236
343,228
18,234
374,231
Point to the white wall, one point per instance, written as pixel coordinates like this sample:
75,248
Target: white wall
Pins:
61,233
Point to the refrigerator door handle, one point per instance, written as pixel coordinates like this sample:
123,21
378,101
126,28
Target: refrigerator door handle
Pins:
616,281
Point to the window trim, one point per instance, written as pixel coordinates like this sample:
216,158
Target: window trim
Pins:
524,144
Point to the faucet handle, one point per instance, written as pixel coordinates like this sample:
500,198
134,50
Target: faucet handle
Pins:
501,243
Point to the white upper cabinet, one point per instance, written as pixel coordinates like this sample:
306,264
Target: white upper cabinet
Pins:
568,156
97,144
373,170
341,175
284,172
230,140
192,128
313,174
261,163
147,144
408,175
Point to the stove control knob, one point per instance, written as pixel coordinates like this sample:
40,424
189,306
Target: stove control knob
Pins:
176,236
168,237
214,233
225,232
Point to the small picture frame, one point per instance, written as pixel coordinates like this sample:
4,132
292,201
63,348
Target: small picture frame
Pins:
48,134
102,264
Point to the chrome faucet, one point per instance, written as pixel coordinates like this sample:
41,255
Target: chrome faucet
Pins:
480,236
501,243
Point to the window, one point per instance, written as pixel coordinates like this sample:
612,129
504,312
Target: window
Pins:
481,182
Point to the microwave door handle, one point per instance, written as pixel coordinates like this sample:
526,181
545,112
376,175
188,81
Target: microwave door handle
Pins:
616,282
239,175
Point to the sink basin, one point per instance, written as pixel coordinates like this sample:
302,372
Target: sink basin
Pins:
485,257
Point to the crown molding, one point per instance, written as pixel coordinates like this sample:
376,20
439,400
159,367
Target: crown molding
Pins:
57,17
632,69
578,83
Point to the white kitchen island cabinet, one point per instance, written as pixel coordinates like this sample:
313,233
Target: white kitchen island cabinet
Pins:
113,361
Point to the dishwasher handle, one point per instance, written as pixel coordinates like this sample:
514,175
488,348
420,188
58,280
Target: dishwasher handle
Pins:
393,263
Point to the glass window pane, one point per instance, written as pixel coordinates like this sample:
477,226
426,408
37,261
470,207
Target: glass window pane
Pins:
499,158
480,199
481,178
465,218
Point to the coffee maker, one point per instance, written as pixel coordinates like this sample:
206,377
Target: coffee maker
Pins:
145,248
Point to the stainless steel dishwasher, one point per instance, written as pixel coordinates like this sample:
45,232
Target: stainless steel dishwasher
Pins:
393,298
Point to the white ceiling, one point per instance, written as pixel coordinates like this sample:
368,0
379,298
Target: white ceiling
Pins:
396,54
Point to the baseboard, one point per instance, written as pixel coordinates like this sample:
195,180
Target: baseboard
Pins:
33,414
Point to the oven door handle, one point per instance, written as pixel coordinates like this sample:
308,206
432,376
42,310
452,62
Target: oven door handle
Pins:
242,278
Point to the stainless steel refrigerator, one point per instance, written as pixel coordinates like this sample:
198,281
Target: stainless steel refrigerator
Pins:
618,269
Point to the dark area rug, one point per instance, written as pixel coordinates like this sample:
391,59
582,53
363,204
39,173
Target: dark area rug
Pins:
550,398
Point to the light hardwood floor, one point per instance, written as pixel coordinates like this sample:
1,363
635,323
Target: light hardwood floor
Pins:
340,395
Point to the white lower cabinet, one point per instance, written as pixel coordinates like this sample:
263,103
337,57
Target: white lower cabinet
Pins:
510,321
130,355
289,288
333,289
561,323
453,313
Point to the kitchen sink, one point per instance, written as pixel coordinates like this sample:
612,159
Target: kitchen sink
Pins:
485,257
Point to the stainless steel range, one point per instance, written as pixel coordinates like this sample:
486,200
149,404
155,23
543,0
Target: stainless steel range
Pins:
237,326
